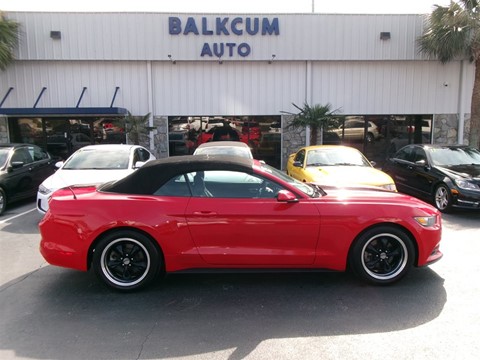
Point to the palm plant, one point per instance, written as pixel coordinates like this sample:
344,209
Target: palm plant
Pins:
454,31
9,39
136,126
317,117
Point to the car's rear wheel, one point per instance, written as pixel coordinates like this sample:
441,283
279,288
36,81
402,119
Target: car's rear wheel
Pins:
126,260
382,255
442,199
3,201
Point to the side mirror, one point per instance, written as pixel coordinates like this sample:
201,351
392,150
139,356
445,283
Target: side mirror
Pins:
286,196
138,164
16,164
374,163
297,164
59,164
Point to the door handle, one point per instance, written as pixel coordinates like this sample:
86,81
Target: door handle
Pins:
204,213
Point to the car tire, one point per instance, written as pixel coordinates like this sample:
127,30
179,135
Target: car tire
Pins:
382,255
442,198
3,201
126,260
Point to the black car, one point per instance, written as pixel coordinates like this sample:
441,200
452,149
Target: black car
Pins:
23,167
446,175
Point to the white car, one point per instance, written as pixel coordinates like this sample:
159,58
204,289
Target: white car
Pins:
354,130
233,148
93,164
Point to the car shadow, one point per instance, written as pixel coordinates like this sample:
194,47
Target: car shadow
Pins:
57,313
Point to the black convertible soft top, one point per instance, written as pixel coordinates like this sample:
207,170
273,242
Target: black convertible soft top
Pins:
154,174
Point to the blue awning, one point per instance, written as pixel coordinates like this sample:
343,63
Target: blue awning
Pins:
54,112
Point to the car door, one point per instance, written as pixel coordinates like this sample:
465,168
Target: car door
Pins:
398,167
20,181
353,130
42,166
410,171
421,176
243,224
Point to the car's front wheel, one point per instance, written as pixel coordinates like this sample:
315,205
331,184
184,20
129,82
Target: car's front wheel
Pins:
126,260
442,198
382,255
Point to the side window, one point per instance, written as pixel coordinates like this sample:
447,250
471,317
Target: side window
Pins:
38,154
22,155
140,155
136,157
300,156
143,155
420,155
231,184
405,154
176,186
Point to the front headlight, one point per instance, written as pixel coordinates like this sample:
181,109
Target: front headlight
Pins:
426,221
467,185
389,187
44,190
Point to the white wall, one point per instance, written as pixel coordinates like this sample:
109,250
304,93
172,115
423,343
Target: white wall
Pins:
65,80
145,36
320,58
239,88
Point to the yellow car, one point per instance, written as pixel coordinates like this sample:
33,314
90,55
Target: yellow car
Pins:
336,165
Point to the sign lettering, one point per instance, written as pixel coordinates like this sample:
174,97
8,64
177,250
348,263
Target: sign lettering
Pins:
224,26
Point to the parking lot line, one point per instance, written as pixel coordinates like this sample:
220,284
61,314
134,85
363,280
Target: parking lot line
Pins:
18,215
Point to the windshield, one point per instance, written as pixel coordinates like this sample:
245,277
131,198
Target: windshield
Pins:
308,189
225,150
105,159
336,157
455,156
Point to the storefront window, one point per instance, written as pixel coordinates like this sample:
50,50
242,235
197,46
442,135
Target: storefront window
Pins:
263,134
62,136
380,136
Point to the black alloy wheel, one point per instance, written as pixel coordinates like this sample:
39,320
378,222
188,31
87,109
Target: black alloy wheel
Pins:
382,255
126,260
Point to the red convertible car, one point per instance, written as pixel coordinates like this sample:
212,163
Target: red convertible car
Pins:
230,213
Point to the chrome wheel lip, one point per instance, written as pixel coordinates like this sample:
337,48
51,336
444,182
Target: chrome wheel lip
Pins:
109,274
399,266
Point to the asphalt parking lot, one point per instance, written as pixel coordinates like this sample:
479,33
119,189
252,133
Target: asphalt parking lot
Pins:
53,313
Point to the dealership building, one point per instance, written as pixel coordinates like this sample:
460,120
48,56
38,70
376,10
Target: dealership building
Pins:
82,73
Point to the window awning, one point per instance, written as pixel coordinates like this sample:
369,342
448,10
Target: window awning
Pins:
76,111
